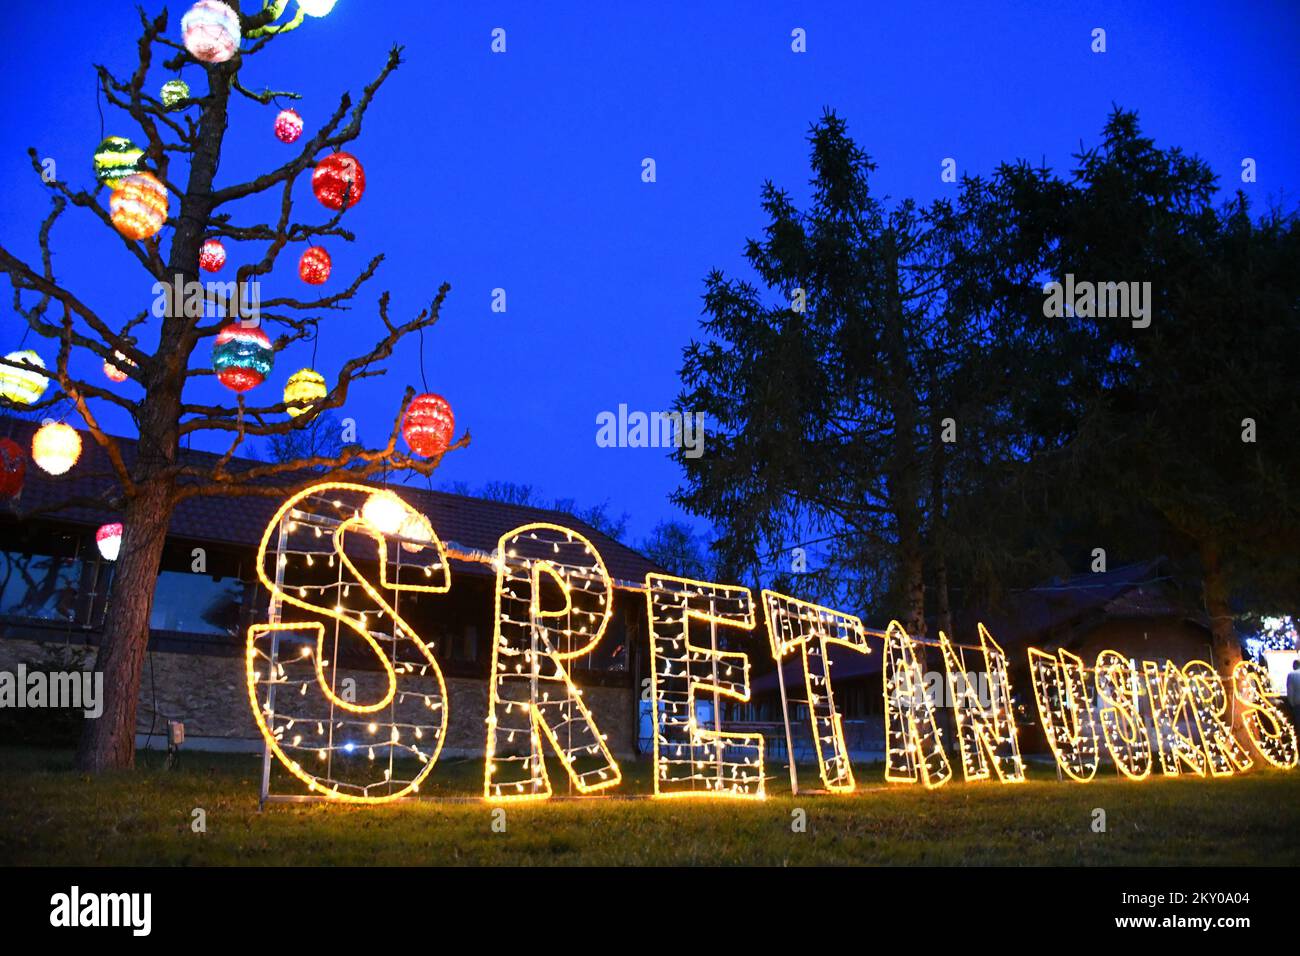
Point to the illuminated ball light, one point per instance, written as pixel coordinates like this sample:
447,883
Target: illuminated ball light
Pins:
212,256
385,512
116,159
23,386
429,425
56,447
417,530
138,206
13,468
288,126
174,92
109,540
314,265
242,357
316,8
338,178
211,31
114,370
304,388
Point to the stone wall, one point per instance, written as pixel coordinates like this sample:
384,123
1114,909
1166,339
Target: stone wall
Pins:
209,695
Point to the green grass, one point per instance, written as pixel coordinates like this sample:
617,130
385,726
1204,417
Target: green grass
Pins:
50,814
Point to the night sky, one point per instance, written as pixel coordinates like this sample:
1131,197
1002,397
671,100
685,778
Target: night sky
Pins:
523,171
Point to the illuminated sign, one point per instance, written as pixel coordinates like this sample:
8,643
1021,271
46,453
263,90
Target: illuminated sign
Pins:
338,559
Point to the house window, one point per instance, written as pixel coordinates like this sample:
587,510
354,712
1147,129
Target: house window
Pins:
197,603
42,587
464,645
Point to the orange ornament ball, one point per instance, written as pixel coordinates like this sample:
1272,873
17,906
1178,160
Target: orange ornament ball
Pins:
138,206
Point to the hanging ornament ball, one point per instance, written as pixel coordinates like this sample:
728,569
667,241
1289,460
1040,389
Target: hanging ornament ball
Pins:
212,256
23,386
211,31
338,178
109,540
304,388
174,92
115,370
56,447
138,206
316,8
418,532
314,266
13,468
429,425
116,159
242,357
288,126
384,512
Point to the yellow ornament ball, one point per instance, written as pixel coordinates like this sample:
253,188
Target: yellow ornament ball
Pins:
56,447
23,386
304,388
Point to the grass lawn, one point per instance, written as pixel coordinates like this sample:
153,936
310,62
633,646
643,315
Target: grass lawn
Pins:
51,815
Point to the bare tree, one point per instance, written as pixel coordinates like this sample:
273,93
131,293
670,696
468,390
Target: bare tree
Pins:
147,490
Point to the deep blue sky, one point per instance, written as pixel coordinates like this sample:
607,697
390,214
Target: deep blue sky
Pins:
523,170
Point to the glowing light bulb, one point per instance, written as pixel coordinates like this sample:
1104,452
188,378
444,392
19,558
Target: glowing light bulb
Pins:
384,512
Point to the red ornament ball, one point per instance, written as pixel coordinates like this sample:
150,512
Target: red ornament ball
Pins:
288,126
338,178
212,256
314,266
13,468
429,425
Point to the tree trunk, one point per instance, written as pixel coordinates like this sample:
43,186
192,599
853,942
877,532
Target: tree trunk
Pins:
1224,644
904,473
938,540
108,743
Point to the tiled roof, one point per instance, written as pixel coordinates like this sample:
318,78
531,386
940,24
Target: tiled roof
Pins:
466,523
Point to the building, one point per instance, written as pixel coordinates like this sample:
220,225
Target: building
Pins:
56,591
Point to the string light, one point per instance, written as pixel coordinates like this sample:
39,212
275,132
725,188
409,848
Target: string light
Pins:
913,742
324,521
553,604
1119,692
1061,691
1209,705
1170,701
691,759
814,629
530,692
1265,721
986,733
